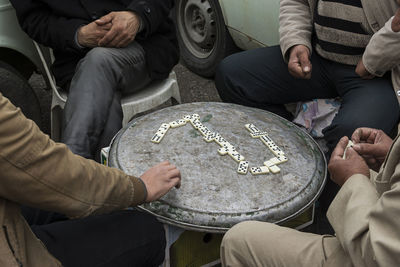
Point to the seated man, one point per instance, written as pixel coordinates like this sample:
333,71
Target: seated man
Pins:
102,49
39,173
353,57
365,215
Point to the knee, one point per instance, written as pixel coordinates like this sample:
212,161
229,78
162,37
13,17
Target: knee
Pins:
98,58
240,235
225,75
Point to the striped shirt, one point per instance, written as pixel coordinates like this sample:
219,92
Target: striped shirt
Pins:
341,30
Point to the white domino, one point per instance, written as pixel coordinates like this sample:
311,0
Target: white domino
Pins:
163,128
274,169
282,158
220,140
187,117
258,134
243,167
177,123
236,156
223,151
196,123
276,150
252,128
158,136
259,170
269,163
204,130
349,144
210,137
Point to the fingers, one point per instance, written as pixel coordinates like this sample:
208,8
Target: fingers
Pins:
174,173
106,40
299,64
339,149
365,149
364,134
105,19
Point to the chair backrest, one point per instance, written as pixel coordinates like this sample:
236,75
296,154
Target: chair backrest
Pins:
47,58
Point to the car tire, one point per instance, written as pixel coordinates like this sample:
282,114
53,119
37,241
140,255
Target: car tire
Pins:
17,89
203,37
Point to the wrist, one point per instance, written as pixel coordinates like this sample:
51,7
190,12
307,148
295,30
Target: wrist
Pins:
79,40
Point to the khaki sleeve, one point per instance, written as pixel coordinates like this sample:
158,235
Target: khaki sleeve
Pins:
43,174
367,226
383,51
295,25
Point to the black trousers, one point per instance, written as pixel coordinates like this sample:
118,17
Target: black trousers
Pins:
260,78
122,238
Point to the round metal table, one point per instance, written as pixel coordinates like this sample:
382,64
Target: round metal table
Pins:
213,196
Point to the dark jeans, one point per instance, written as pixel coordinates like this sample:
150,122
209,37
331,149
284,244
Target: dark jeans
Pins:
260,78
122,238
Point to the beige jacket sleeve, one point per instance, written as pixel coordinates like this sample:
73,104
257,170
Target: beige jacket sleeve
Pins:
368,226
37,172
383,51
295,25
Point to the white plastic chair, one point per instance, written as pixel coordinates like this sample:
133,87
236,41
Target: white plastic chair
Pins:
155,94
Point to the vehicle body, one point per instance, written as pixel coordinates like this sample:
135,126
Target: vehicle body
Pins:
209,30
18,60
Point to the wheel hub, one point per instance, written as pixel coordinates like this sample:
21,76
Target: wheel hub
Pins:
199,24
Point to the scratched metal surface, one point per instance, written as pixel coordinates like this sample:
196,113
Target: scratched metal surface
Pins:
213,196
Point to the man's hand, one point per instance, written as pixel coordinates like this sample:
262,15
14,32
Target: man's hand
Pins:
362,71
299,62
396,20
372,145
159,179
342,169
125,25
90,34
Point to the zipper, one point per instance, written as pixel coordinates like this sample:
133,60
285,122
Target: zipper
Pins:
10,246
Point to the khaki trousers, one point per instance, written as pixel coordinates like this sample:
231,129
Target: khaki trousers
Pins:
255,243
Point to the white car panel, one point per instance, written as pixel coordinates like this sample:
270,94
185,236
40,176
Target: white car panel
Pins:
252,23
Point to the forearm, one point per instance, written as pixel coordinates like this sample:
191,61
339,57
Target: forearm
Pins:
43,174
366,225
382,52
295,25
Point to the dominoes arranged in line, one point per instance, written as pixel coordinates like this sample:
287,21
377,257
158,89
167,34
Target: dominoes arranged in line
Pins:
279,154
227,148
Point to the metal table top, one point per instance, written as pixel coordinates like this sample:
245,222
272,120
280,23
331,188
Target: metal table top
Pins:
213,196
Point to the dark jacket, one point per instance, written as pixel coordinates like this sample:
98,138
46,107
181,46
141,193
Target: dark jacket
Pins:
54,23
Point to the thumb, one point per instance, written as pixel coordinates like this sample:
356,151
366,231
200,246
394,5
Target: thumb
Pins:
305,61
104,20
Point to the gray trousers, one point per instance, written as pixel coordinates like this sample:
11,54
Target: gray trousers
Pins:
93,112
